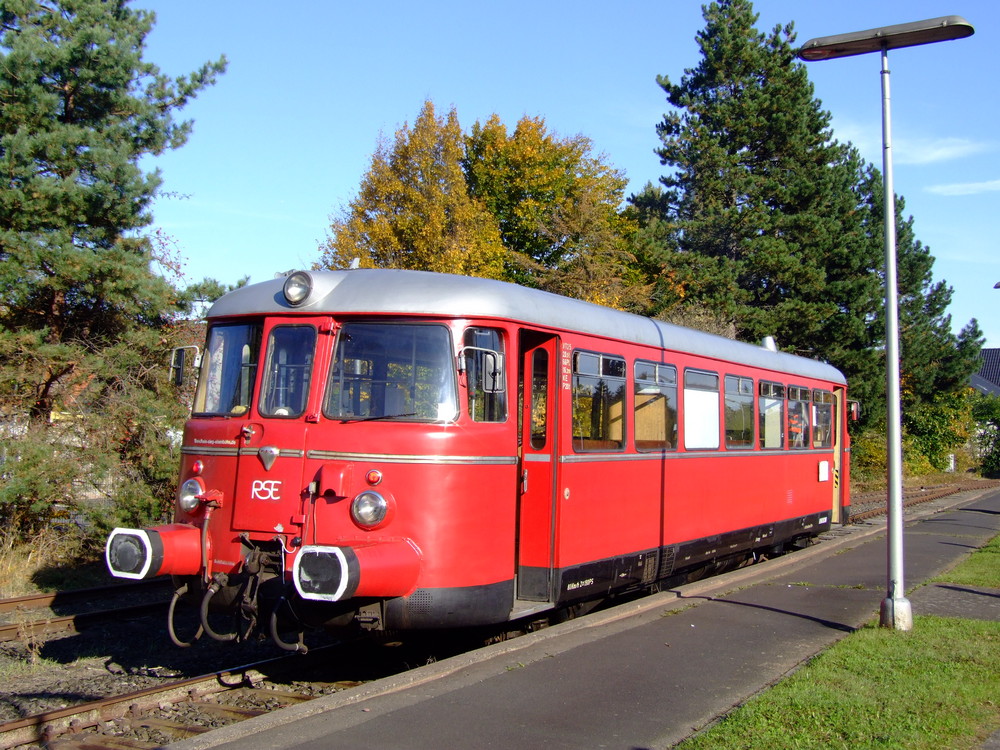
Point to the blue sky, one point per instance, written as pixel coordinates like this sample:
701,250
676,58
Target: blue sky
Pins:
281,142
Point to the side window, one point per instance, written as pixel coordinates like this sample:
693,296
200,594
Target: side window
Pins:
290,351
655,406
484,375
739,412
798,417
771,415
598,402
824,413
701,410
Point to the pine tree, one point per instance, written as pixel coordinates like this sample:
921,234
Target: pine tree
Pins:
934,362
413,209
758,218
84,322
769,221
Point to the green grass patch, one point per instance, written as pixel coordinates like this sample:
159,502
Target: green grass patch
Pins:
935,686
981,568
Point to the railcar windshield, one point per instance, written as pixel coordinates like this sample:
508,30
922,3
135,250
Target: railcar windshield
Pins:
390,371
228,368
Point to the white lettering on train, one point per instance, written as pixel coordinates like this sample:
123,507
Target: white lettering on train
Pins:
266,489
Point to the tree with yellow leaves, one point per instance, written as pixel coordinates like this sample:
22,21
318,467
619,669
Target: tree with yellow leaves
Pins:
413,209
558,207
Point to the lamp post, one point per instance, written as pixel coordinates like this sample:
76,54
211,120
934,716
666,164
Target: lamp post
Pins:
895,611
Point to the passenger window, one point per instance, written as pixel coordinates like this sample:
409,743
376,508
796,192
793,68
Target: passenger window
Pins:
701,410
824,413
598,402
798,417
484,375
739,412
771,415
655,406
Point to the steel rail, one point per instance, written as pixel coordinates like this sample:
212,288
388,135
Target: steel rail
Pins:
44,726
74,623
74,596
877,505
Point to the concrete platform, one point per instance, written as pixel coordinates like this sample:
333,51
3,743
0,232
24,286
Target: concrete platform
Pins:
652,673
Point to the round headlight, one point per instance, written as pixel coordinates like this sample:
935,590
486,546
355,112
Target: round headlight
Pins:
369,509
187,496
297,287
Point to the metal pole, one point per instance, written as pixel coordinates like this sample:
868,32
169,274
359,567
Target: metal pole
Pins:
895,611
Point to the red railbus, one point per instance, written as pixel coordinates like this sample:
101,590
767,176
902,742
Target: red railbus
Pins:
402,449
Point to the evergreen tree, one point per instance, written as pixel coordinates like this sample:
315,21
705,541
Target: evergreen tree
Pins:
758,219
85,324
934,362
413,209
769,221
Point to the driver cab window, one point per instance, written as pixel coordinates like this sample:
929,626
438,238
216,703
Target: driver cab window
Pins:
392,371
290,352
484,375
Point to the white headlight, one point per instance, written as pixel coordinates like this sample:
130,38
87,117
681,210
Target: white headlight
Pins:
187,496
369,509
297,287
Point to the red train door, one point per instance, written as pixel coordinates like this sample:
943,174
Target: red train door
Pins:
840,486
538,382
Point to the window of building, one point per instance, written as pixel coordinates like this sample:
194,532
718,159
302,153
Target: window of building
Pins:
739,412
771,415
598,402
701,410
655,406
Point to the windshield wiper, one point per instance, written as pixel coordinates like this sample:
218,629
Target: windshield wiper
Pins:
344,420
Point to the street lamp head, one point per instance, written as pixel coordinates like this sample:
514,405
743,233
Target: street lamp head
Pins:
940,29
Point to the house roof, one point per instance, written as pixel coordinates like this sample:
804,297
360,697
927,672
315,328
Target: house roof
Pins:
987,380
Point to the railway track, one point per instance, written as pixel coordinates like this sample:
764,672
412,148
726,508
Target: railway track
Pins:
873,504
77,597
185,707
41,616
162,714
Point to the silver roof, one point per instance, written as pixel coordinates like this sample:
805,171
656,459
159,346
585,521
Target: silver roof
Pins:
384,291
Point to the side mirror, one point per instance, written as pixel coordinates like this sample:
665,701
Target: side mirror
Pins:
486,365
854,410
178,362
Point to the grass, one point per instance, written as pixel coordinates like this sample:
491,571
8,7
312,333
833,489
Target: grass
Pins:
982,568
935,686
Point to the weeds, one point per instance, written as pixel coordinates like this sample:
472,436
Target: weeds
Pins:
51,560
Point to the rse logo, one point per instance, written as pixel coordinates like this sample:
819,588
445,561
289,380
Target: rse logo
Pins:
266,489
